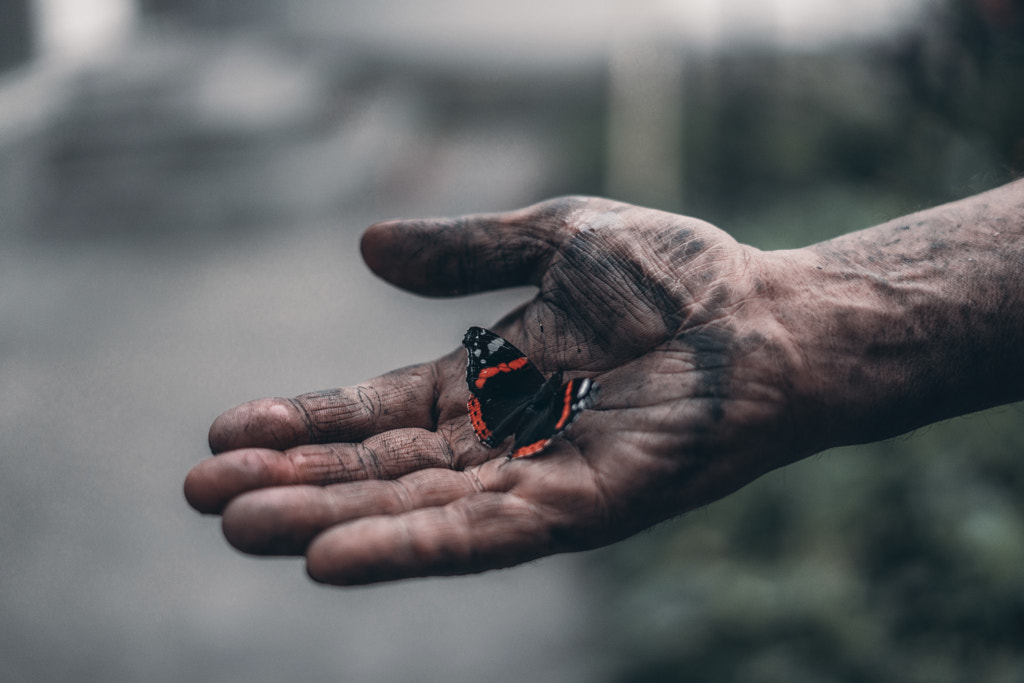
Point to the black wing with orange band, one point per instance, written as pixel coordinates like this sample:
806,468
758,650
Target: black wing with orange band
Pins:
509,395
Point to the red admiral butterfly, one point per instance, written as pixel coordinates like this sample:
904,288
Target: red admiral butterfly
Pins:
511,396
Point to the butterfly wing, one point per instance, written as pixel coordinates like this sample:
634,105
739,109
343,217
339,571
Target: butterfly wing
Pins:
502,381
551,416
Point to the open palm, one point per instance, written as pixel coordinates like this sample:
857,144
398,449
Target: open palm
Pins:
387,479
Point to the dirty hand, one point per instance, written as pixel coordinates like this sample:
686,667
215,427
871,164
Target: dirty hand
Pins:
387,479
717,362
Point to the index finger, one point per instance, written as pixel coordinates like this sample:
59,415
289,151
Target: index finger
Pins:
401,398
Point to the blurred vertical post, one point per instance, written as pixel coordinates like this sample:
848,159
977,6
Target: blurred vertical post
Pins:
646,110
18,156
15,33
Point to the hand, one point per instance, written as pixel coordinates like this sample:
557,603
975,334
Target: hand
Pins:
387,480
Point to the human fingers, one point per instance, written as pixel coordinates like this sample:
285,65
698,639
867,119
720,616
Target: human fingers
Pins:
401,398
449,257
214,482
473,533
284,520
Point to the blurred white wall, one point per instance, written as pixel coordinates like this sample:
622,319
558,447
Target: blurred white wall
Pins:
77,30
65,36
535,31
529,30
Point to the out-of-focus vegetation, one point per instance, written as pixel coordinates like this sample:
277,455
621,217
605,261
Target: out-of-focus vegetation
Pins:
782,148
895,561
898,561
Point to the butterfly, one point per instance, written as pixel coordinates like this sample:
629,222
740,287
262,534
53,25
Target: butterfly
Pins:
511,396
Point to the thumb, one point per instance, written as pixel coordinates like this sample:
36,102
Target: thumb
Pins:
454,256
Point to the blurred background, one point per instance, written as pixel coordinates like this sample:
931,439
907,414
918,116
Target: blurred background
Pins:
183,184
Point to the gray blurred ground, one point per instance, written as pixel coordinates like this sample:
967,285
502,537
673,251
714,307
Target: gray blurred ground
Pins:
183,237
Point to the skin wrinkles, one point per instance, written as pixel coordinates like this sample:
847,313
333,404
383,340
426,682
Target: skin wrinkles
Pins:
712,352
562,502
717,363
328,414
368,461
610,279
370,400
942,279
435,265
710,345
519,257
363,409
307,419
329,464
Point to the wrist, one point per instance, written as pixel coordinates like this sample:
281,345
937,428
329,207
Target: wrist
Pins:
847,379
909,322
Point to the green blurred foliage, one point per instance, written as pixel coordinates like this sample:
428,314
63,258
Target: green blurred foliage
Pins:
933,115
895,561
899,561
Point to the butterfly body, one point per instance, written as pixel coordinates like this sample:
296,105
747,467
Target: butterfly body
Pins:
510,396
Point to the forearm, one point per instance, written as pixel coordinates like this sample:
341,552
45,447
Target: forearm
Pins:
912,321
